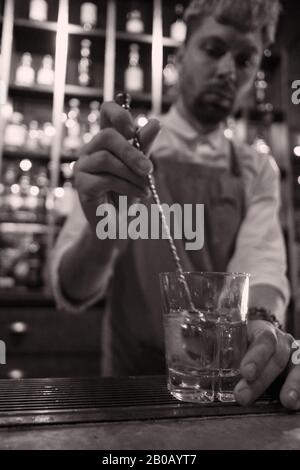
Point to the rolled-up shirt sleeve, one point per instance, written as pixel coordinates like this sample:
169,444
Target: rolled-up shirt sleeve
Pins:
260,248
73,230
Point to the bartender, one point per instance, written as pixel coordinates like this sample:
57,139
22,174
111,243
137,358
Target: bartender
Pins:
192,162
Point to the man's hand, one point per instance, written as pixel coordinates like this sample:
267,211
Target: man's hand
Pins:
110,164
268,356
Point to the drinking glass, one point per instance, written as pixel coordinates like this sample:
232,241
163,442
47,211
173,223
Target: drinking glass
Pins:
204,345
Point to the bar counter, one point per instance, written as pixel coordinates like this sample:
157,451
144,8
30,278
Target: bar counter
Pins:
133,414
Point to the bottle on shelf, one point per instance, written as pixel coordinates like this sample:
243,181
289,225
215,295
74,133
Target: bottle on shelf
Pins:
33,137
47,135
84,77
134,77
93,122
28,265
25,74
134,23
88,15
38,10
35,257
42,182
10,198
170,74
45,75
265,112
15,132
261,88
73,140
67,200
29,194
178,27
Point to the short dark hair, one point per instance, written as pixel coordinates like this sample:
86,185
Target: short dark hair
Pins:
246,15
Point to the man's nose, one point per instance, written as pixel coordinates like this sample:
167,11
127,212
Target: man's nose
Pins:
227,67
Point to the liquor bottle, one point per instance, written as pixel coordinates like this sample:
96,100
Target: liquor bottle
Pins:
42,182
11,199
21,268
38,10
88,15
94,117
35,260
33,137
261,89
134,23
47,135
72,141
66,204
170,73
27,211
15,132
84,65
264,115
25,74
45,75
93,122
178,28
134,77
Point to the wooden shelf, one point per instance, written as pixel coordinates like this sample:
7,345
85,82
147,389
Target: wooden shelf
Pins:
22,296
169,42
21,153
70,90
141,97
14,153
80,91
34,90
78,30
131,37
50,26
23,227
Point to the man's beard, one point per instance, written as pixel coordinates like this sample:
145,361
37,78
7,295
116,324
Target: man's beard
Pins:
210,112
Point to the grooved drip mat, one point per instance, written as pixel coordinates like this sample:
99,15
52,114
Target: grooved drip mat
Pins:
75,400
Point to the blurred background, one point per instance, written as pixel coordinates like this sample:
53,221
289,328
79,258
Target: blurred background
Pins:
59,60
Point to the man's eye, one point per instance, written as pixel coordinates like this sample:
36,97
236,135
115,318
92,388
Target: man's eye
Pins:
215,52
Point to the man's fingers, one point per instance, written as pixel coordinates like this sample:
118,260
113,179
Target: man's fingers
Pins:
246,392
290,392
148,133
111,141
92,188
102,162
113,115
259,354
267,371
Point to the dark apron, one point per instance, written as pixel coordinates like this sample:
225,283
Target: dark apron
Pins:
136,342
